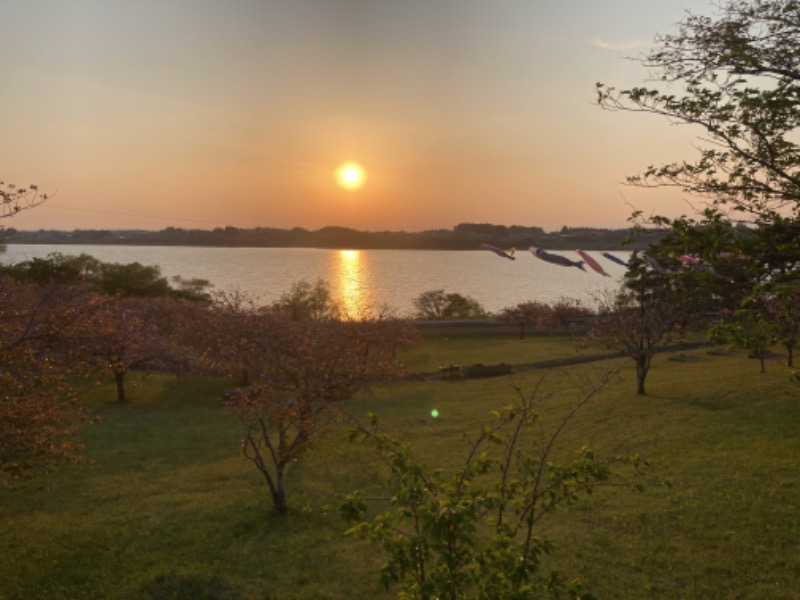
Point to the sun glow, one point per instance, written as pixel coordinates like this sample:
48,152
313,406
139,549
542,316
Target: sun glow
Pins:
350,176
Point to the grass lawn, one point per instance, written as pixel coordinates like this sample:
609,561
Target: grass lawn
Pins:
166,507
464,349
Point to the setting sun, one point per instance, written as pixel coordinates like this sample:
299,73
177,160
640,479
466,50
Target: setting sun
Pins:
350,176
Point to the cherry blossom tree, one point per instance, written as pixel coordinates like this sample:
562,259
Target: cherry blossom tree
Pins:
39,413
296,373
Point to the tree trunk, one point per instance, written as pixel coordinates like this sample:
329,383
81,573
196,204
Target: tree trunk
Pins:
119,377
278,492
789,355
279,501
275,484
641,374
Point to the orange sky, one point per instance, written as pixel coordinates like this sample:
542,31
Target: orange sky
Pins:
199,113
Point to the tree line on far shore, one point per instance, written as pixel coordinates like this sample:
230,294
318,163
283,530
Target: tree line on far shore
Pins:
464,236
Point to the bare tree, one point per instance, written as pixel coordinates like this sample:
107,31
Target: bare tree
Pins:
531,314
638,325
14,198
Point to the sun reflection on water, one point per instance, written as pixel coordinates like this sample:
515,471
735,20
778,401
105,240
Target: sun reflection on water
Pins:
349,278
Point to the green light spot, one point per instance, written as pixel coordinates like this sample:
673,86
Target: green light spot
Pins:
434,413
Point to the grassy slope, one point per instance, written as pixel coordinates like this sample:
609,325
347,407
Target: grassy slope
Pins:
171,510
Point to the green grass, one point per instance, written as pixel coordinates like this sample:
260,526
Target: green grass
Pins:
464,349
168,508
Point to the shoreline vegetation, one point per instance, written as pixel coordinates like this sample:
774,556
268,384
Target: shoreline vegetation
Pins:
465,236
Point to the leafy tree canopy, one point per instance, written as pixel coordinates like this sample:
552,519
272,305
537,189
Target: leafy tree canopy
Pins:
131,279
308,301
736,75
440,305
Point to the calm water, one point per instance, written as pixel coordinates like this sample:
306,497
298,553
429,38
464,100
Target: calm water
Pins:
361,277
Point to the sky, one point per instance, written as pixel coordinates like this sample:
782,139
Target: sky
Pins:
210,113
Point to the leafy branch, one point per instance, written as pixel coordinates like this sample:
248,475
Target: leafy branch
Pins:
475,533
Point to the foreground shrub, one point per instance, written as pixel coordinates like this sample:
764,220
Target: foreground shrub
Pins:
476,533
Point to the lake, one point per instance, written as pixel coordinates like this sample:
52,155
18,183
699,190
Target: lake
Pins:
361,278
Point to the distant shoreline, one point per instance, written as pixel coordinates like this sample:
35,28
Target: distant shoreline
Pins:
462,237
